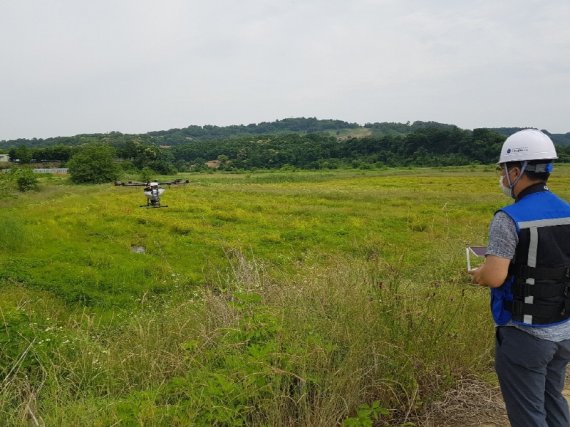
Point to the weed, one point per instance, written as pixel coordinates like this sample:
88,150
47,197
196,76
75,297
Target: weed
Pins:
366,415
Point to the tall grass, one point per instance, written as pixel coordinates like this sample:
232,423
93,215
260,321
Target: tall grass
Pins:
254,350
13,235
258,299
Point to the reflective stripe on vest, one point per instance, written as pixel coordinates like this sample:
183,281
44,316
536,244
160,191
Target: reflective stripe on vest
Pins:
533,227
547,271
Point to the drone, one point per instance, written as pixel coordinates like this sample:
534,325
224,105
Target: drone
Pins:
153,190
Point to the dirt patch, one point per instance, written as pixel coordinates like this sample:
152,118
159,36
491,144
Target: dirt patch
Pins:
472,403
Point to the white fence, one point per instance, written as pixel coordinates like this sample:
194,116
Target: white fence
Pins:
43,170
50,170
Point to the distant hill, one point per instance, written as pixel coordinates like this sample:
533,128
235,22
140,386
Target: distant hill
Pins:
290,125
557,138
306,143
299,125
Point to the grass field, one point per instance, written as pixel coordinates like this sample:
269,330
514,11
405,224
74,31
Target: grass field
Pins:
269,298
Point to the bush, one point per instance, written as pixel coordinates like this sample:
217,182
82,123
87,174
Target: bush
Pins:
18,178
162,167
26,180
93,163
146,174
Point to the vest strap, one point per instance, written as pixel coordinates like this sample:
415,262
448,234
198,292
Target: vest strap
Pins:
543,273
541,314
542,290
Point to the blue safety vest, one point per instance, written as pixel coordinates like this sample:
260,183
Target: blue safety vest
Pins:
537,289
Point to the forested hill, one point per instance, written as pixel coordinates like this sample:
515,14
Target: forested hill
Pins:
290,143
290,125
300,125
557,138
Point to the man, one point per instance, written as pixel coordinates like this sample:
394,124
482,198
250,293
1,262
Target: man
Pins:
527,267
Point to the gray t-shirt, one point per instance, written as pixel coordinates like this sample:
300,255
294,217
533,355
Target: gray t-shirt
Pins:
503,240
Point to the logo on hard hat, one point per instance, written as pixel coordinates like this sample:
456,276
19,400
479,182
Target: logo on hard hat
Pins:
509,151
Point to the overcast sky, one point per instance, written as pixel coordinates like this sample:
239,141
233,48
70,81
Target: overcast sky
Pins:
78,66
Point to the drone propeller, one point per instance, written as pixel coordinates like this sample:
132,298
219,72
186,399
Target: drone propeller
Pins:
146,184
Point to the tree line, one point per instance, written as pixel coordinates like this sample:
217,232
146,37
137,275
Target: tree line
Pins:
298,125
426,145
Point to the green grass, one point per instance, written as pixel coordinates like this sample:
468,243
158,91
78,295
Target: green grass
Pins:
269,298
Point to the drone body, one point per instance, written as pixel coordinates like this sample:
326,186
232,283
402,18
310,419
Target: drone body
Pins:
152,190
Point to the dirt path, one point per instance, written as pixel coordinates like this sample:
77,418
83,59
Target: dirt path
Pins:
474,404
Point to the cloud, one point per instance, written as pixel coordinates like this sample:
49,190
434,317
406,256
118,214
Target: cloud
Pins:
135,66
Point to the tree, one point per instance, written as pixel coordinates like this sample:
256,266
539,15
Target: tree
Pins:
93,163
22,153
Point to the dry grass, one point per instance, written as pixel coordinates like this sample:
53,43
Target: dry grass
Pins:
472,403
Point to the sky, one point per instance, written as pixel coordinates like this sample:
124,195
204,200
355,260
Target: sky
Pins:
133,66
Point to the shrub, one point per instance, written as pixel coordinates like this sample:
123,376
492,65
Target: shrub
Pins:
146,174
26,180
93,163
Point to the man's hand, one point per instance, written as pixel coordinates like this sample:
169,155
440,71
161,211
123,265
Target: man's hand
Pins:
492,273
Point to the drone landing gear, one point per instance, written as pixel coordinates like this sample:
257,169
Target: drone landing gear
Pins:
153,204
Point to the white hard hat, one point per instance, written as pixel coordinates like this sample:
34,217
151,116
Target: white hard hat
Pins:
527,144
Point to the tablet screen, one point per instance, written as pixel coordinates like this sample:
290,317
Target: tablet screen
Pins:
478,250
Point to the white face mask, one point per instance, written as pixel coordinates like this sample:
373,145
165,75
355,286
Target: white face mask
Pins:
506,190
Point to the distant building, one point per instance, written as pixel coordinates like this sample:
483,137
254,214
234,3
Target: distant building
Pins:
4,158
213,164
